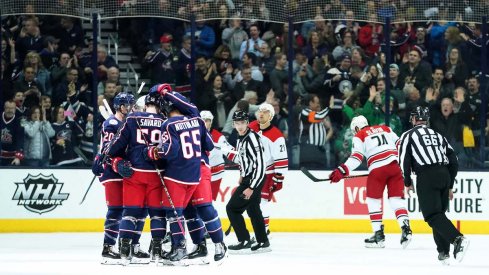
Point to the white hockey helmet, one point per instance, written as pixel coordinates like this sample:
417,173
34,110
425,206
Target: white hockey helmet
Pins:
267,107
358,121
139,107
206,115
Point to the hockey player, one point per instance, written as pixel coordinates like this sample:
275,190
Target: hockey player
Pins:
252,167
275,157
112,183
216,156
378,145
142,187
200,212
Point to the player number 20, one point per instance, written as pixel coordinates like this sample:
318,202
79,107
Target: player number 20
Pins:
188,140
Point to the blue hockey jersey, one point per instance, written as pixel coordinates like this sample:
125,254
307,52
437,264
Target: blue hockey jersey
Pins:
139,128
109,131
183,142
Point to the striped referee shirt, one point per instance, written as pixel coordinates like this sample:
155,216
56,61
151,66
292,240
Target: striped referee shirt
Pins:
251,158
312,127
421,147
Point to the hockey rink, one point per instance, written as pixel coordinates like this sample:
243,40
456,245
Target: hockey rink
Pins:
293,253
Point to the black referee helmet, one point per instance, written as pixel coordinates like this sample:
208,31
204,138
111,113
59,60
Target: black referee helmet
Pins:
420,113
240,116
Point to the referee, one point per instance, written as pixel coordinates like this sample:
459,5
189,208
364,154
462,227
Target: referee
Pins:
251,159
428,154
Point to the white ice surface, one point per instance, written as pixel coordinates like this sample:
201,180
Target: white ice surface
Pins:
293,253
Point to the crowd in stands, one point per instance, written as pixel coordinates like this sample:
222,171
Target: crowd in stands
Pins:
338,71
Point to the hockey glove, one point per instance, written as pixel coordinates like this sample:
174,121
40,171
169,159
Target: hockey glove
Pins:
97,165
161,89
277,182
339,173
151,153
123,167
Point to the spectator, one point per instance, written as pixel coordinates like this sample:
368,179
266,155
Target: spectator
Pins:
58,71
12,136
247,83
422,41
205,38
313,80
234,36
416,72
439,89
161,62
267,61
113,75
30,87
42,75
38,131
64,140
46,105
253,44
223,99
20,109
222,59
104,62
71,36
183,67
278,75
70,82
29,38
347,38
375,112
370,36
315,47
454,40
358,57
474,98
6,83
49,55
456,72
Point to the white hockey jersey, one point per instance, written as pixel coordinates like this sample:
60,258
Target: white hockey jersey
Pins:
273,140
378,144
216,156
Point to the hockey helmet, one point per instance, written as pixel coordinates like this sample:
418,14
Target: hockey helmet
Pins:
123,98
358,121
140,103
206,115
152,99
240,116
420,113
267,107
166,107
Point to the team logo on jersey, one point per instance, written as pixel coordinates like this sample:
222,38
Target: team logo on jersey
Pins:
39,193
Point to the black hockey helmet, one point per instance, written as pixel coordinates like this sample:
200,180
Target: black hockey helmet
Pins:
240,116
420,113
166,107
152,99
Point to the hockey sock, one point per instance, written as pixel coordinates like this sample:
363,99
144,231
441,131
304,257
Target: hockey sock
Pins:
265,210
129,221
375,212
112,222
176,226
211,221
194,224
140,226
158,222
399,206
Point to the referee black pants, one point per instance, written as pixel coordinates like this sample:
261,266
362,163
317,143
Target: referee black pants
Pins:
236,207
432,186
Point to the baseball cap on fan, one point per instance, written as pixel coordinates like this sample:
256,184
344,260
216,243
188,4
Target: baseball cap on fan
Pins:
166,38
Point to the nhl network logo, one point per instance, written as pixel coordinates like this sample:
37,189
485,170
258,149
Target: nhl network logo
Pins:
39,194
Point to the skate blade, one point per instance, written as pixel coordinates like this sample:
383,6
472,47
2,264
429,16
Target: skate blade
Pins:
406,242
460,255
140,260
240,252
262,250
445,262
375,245
110,261
220,261
198,261
125,262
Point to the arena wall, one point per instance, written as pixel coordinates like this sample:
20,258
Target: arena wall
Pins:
49,201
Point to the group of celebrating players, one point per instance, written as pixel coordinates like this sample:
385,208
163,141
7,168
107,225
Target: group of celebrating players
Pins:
160,160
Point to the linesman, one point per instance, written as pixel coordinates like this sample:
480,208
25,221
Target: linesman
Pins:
428,154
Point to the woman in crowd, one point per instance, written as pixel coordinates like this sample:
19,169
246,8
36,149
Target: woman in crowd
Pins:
38,131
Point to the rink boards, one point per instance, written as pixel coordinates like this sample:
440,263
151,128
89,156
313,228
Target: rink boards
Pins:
49,201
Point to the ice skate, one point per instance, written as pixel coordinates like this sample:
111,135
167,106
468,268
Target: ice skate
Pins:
199,255
110,256
377,240
461,245
139,256
261,247
177,256
156,249
243,247
406,234
220,253
444,258
125,250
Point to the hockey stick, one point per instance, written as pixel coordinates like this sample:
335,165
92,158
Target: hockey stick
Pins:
314,179
228,230
88,189
107,107
103,112
79,152
141,87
